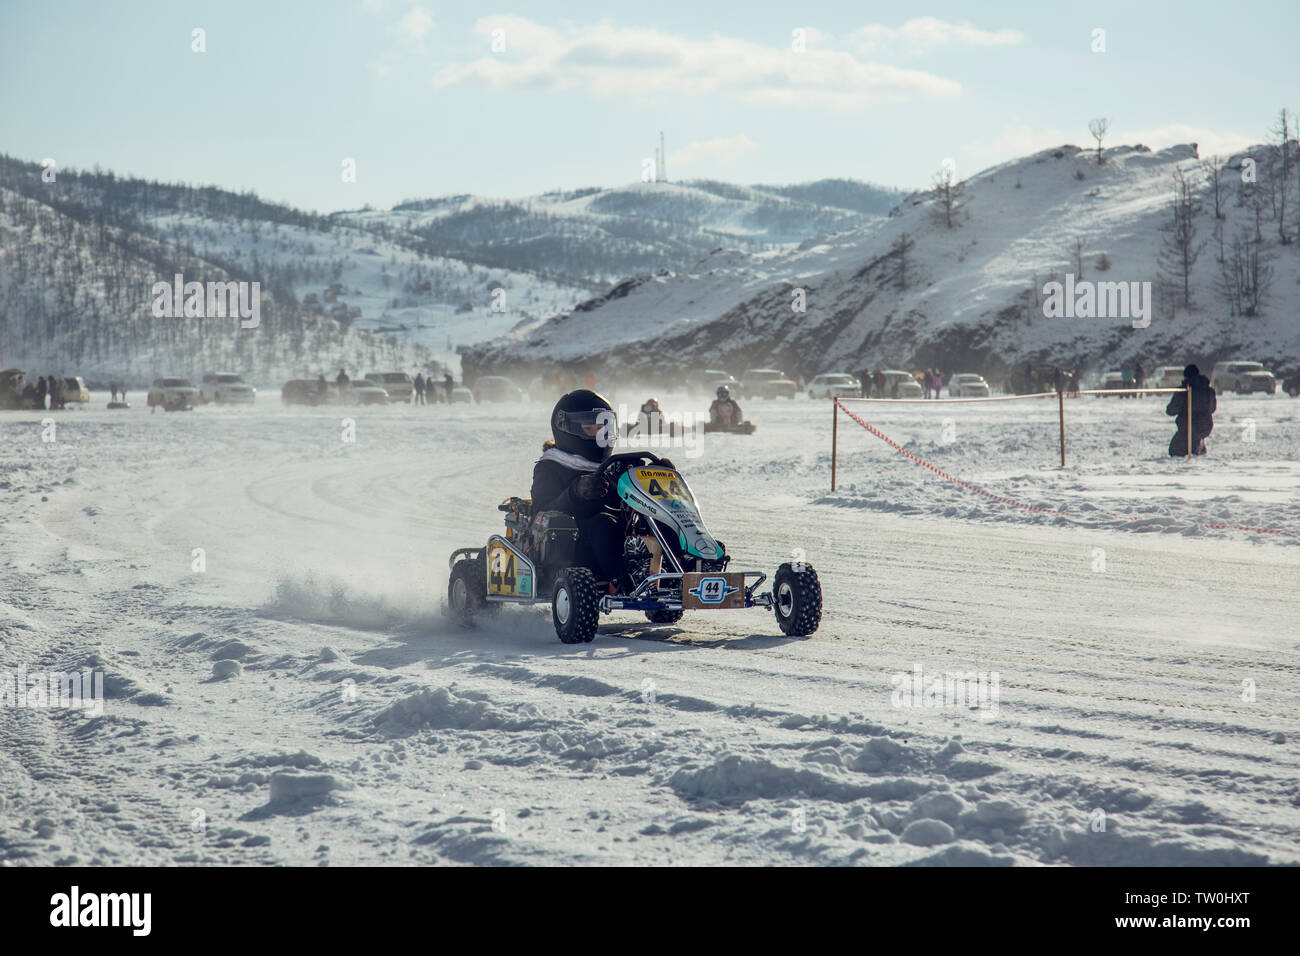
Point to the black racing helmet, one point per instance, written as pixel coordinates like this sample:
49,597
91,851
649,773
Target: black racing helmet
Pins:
724,392
583,423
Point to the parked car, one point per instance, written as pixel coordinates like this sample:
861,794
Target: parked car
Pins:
1114,380
968,385
706,382
226,387
307,391
834,385
461,394
75,390
900,384
1167,376
399,386
1243,378
497,388
173,394
364,391
766,383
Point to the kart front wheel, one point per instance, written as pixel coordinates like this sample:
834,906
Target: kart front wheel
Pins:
575,606
797,599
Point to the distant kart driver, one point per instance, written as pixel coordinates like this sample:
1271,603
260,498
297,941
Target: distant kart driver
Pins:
725,410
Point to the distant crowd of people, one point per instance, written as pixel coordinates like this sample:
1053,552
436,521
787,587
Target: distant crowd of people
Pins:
429,390
424,390
52,387
876,384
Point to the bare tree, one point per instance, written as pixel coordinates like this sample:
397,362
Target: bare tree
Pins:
1214,167
1180,251
899,250
1245,276
1283,132
1077,253
1098,128
946,191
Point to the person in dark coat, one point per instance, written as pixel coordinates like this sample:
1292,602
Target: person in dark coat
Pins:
40,392
583,427
1204,404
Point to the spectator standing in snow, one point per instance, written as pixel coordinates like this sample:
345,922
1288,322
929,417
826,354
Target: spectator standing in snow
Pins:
1204,404
880,383
342,381
417,397
448,383
1139,377
40,392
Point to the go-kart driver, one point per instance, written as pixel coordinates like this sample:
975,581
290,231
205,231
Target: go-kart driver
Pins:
583,428
725,410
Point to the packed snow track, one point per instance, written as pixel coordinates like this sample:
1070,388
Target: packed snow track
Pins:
1142,703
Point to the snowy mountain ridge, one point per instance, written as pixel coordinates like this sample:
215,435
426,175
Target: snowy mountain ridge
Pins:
912,291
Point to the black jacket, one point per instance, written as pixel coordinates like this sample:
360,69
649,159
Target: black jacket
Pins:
1204,404
555,488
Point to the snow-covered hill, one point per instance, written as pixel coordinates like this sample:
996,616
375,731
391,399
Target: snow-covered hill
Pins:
608,234
405,288
911,290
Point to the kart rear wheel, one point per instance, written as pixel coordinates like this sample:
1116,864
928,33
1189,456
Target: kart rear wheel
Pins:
467,591
664,617
797,600
575,606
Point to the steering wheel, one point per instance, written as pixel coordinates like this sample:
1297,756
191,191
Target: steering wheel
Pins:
626,458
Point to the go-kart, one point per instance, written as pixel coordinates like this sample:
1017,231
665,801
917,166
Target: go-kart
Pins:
735,428
672,563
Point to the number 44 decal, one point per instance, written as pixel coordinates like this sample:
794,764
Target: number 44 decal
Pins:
713,590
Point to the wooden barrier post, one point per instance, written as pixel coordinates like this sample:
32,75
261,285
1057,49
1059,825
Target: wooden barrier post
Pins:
835,436
1060,400
1189,419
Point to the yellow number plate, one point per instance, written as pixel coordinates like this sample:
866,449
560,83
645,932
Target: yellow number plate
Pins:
507,577
662,483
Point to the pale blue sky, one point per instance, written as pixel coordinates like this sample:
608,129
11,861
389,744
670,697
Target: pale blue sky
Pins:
416,95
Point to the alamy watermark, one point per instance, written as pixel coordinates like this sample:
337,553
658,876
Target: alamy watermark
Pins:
683,430
965,690
208,300
53,689
1086,299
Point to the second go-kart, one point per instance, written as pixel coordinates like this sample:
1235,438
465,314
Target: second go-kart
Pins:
736,428
670,558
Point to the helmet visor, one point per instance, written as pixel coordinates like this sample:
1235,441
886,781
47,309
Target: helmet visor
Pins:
588,424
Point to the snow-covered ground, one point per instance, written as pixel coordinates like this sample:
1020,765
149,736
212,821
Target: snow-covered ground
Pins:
1146,706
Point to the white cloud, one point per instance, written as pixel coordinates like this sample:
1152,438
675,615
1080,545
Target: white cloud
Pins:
929,33
719,150
415,24
612,61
